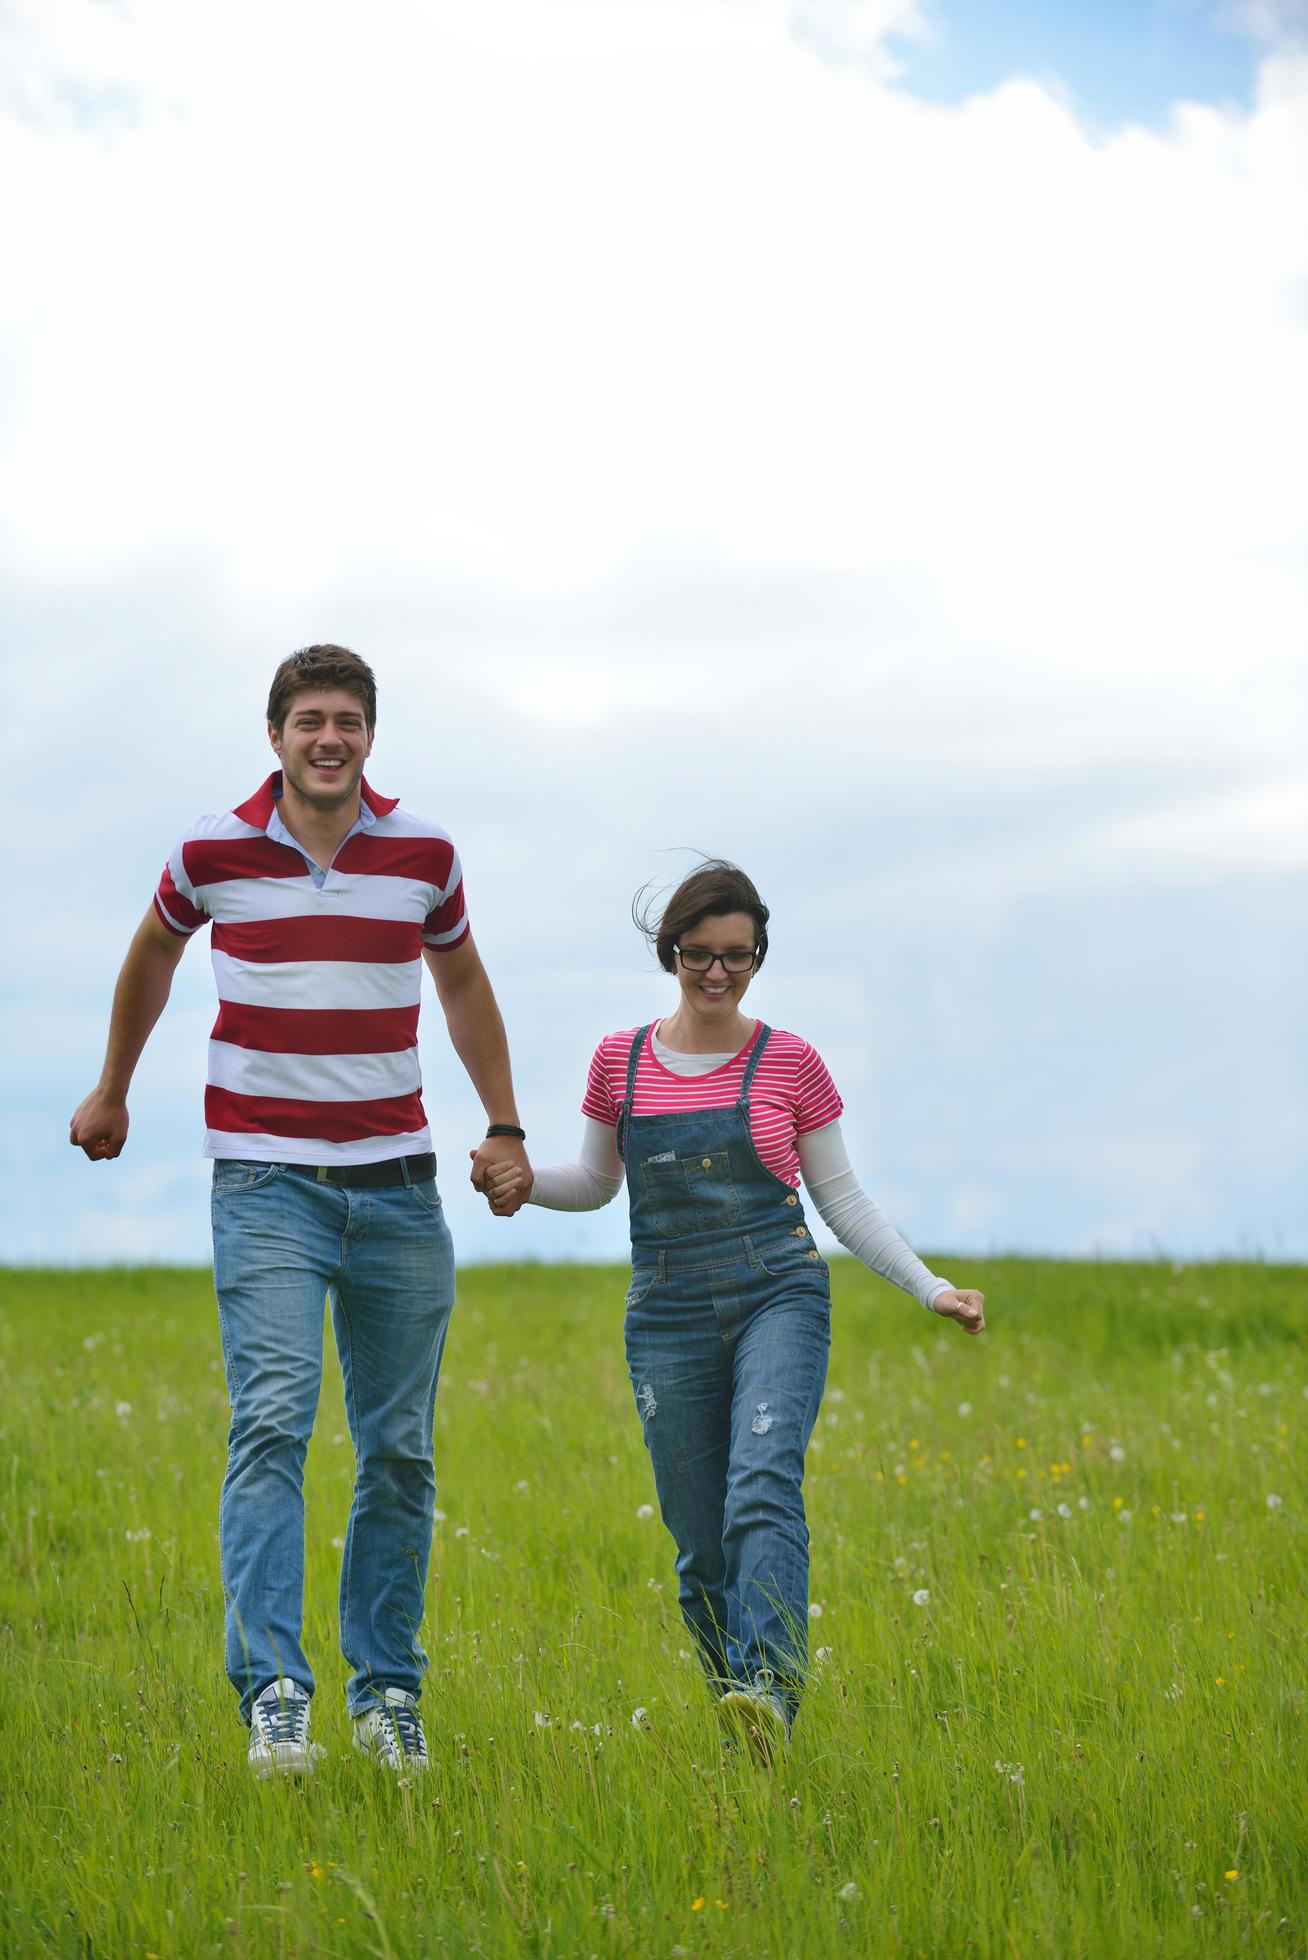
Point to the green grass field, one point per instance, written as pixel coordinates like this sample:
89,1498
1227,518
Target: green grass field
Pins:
1057,1705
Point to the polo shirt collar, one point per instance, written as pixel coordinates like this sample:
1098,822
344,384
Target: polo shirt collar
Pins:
258,810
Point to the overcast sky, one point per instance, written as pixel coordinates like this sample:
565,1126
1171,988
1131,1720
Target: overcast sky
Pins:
865,440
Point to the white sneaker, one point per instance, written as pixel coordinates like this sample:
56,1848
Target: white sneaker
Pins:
759,1718
391,1733
279,1732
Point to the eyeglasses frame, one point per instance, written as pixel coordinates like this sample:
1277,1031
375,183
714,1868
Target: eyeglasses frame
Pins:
716,959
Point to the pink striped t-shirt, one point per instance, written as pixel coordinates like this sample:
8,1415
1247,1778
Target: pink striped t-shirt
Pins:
791,1094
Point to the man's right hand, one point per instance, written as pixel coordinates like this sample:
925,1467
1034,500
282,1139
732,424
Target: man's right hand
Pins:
507,1188
99,1126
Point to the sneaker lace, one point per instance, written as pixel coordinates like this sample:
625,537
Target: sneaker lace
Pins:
284,1721
407,1731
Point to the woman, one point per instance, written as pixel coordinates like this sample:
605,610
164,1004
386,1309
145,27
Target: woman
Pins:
713,1118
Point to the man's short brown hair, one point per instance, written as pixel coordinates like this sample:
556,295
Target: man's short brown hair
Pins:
313,668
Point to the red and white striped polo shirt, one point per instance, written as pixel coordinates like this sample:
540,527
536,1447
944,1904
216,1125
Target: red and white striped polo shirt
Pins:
791,1094
314,1055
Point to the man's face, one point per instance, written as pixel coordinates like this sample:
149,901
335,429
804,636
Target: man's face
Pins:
323,745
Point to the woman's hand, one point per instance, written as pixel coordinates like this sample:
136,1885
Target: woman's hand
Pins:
965,1305
507,1188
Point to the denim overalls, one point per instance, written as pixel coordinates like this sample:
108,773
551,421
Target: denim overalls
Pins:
727,1329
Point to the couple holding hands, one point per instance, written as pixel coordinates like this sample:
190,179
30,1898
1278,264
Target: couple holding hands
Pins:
325,900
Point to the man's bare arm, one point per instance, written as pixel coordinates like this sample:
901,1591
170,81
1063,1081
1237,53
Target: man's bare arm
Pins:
99,1124
476,1028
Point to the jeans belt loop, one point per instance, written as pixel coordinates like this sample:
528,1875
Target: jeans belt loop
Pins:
324,1173
404,1167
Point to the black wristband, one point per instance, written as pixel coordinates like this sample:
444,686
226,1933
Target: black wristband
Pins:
507,1130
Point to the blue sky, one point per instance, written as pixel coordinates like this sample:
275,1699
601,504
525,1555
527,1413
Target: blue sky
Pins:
1121,61
911,509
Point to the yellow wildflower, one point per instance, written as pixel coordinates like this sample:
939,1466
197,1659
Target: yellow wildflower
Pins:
697,1905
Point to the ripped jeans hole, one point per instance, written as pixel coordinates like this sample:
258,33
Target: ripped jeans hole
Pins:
645,1402
762,1421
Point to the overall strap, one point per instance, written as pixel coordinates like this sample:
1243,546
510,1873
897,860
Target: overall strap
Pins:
763,1032
633,1061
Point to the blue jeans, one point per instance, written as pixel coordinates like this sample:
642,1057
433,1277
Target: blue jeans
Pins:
728,1362
282,1243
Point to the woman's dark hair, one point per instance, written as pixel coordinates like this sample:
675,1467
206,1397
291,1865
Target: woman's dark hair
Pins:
318,667
715,889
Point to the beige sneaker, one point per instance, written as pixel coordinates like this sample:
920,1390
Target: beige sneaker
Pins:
279,1732
391,1733
757,1717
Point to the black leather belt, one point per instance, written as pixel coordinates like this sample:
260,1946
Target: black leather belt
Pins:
391,1170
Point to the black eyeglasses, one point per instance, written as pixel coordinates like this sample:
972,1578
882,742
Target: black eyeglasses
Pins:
698,959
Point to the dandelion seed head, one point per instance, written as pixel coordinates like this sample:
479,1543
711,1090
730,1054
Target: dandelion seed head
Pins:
849,1891
1273,1501
644,1510
815,1611
921,1597
640,1720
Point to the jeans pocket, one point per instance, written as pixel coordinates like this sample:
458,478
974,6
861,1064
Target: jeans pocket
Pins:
234,1174
427,1195
712,1188
793,1258
640,1285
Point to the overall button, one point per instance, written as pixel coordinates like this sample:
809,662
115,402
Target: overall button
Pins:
792,1199
810,1255
706,1163
801,1231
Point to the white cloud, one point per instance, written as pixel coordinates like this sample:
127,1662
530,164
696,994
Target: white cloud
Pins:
697,433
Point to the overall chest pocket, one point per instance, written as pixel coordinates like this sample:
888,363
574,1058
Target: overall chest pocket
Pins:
691,1194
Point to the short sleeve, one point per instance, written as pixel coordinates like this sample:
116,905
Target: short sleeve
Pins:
817,1099
599,1100
176,900
447,925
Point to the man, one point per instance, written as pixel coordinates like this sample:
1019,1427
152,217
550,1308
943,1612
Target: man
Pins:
324,898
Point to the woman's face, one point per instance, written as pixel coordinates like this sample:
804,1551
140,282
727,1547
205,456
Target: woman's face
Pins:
713,993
